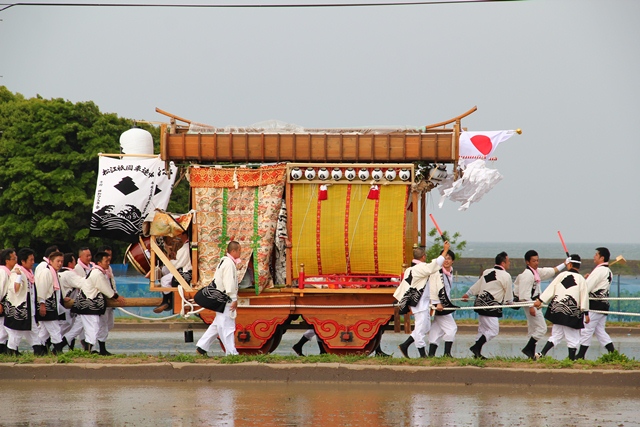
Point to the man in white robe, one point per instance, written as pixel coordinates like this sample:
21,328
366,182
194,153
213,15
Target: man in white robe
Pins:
91,304
47,299
526,288
443,325
598,284
70,285
107,319
20,319
8,259
493,288
568,300
415,279
224,325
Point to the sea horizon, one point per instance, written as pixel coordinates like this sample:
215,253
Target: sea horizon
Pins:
630,251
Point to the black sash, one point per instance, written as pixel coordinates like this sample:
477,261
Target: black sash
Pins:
212,298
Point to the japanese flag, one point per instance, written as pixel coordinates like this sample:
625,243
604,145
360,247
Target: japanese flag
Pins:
481,145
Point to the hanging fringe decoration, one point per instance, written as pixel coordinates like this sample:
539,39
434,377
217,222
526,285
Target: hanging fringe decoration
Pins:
322,193
374,193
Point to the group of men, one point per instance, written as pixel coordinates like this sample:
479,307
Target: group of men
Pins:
577,307
61,300
64,299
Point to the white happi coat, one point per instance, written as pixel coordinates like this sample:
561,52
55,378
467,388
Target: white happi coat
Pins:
70,282
4,281
598,284
417,276
81,270
94,289
440,288
226,277
526,288
569,300
493,288
46,281
19,308
96,283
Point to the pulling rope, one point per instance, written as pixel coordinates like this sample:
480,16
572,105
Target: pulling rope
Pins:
182,313
619,313
192,308
487,307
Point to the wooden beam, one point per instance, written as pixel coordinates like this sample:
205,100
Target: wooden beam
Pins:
136,302
167,263
455,119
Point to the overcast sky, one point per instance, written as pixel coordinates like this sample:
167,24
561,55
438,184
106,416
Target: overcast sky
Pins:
565,71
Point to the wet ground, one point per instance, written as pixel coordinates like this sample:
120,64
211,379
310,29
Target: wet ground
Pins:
70,404
213,402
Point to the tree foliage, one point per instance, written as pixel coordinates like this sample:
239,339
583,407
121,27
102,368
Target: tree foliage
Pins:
436,248
48,165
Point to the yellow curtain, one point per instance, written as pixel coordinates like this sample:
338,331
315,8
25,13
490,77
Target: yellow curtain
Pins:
347,232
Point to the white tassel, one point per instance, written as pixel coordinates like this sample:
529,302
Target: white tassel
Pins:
235,178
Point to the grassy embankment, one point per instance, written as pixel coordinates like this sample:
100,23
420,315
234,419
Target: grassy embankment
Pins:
613,361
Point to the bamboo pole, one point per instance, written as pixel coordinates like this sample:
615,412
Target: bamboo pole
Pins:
167,263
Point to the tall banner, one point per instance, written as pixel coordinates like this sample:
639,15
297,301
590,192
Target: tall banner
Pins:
126,192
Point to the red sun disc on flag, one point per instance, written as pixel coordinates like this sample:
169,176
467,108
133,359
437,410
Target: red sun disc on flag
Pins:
482,143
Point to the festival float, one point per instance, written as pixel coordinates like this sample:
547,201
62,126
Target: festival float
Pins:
327,219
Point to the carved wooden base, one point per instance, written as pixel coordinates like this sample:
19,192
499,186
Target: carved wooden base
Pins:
347,333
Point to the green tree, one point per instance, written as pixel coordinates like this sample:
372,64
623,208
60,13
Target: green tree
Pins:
436,248
48,165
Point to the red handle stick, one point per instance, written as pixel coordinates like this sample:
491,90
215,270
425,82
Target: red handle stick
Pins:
563,245
436,224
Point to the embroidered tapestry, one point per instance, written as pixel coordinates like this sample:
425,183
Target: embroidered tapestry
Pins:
239,204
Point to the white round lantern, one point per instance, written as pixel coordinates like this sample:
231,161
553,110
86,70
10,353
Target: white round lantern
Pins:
390,174
310,173
323,174
336,174
405,174
376,174
136,141
350,174
363,174
296,174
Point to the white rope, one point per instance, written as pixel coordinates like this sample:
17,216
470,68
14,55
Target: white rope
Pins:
347,306
616,299
184,302
294,306
619,313
488,307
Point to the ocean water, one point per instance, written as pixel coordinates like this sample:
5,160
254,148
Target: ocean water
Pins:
631,251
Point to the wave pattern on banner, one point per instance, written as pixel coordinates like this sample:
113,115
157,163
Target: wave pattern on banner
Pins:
126,192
